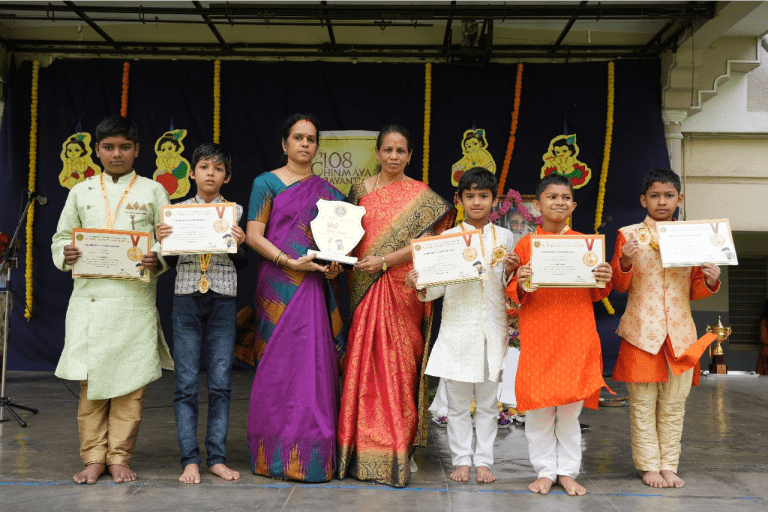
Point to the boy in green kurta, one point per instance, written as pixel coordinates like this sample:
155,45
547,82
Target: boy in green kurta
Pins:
113,344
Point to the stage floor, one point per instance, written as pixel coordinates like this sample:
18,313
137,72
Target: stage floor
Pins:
724,461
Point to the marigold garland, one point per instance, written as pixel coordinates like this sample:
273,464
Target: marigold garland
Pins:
606,160
216,101
427,117
31,185
124,96
512,129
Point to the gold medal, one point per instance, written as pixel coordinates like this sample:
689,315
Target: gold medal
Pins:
203,284
499,252
717,240
469,254
589,259
135,254
528,286
643,237
220,226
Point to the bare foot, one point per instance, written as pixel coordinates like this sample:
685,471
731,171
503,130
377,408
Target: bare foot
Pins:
223,472
541,485
570,485
672,480
121,473
461,474
484,475
653,479
191,474
90,474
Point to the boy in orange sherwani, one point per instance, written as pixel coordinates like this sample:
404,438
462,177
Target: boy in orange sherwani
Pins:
657,332
561,364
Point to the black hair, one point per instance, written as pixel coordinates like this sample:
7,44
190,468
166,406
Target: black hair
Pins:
291,120
478,262
168,136
472,135
563,141
481,178
80,143
115,125
214,152
553,179
661,175
394,129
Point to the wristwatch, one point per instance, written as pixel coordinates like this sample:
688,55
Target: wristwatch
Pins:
383,264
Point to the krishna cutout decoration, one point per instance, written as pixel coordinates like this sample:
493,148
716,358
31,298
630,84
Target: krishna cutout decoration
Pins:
474,147
76,156
172,169
561,160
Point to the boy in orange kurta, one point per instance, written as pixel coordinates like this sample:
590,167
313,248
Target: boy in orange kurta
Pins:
561,364
658,356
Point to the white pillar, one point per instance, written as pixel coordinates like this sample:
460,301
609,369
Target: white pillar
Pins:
673,134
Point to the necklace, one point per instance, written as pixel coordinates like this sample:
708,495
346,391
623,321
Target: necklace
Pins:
393,181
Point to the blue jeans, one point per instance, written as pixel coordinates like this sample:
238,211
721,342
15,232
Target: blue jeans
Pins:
198,318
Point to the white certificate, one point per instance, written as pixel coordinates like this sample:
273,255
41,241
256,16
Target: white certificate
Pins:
452,258
566,260
689,243
199,228
110,253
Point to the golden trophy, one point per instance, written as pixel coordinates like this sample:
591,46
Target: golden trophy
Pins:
717,355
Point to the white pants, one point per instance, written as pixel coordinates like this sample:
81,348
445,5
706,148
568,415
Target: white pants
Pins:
439,406
554,440
657,411
460,395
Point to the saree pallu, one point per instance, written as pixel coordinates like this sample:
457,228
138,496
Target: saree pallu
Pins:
384,402
294,398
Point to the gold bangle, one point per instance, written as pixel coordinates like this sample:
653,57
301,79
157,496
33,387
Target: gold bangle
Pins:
383,264
276,260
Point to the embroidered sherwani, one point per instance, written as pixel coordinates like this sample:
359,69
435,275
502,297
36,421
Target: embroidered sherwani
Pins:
113,335
656,357
471,350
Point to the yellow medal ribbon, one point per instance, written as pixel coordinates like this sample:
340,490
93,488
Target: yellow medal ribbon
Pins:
110,214
205,260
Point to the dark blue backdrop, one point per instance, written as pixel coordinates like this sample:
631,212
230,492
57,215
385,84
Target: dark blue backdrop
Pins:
255,99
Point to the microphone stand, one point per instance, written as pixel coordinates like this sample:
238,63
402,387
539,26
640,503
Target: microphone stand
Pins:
9,259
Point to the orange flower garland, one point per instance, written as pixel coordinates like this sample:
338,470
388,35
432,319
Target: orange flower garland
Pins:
427,121
124,96
31,186
512,129
216,101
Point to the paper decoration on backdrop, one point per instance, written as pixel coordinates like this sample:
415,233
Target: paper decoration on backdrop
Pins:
172,169
344,156
76,156
474,147
561,159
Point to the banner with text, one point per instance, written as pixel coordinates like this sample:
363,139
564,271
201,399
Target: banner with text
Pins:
344,156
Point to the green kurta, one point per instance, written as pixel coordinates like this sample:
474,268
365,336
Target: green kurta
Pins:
113,336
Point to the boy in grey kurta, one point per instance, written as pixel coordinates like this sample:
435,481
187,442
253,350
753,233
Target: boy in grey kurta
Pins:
113,344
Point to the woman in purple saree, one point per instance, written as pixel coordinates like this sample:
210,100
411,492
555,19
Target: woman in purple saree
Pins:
290,331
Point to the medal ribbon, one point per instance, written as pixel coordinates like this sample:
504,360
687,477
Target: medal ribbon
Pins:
715,226
205,261
467,238
590,243
654,244
110,214
220,211
135,239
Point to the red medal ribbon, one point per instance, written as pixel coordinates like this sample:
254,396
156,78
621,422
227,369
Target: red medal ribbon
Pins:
220,211
467,238
135,239
590,243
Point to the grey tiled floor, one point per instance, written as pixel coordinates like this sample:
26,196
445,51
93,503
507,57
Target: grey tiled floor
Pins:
724,462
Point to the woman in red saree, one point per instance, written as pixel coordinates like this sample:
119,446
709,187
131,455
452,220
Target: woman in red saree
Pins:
383,403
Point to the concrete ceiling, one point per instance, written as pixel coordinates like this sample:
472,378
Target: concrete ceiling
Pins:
460,32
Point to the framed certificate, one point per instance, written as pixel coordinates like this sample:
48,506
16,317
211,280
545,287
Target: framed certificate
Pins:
689,243
199,228
566,260
110,254
453,258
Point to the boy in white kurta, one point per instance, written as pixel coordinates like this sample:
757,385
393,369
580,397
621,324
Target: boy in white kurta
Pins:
113,341
471,346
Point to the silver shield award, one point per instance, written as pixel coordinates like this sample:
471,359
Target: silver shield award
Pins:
337,229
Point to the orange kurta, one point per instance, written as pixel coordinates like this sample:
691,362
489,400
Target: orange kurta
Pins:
635,365
560,357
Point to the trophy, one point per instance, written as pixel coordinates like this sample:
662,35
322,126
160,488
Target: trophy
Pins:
717,355
337,229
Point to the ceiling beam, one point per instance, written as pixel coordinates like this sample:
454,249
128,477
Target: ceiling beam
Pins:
447,36
210,24
92,24
570,23
330,26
